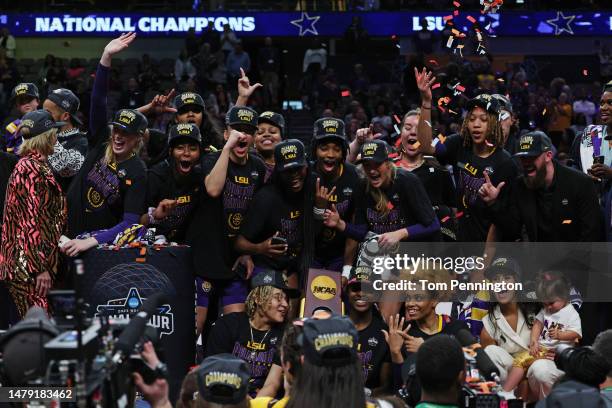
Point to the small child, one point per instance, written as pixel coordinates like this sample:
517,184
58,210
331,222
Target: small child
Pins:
557,323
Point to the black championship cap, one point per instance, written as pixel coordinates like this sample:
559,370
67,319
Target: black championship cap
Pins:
184,132
68,101
289,154
486,102
223,379
273,118
375,151
329,128
241,115
330,342
504,102
361,274
131,121
188,98
503,265
25,89
275,279
533,144
37,122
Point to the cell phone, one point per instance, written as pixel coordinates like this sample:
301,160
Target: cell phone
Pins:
598,159
279,241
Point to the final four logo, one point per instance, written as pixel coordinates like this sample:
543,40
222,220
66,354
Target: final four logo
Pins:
124,308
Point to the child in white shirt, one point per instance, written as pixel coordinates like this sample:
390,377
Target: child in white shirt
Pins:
557,323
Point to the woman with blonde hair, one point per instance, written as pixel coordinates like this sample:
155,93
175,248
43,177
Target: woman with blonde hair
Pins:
107,197
34,216
255,335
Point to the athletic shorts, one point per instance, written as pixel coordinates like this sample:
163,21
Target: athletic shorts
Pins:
231,291
524,359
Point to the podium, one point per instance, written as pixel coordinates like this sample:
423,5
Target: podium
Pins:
323,291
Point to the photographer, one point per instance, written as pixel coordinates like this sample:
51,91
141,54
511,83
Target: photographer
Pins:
584,371
440,368
603,346
156,393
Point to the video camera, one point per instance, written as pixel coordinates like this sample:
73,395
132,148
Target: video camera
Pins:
95,357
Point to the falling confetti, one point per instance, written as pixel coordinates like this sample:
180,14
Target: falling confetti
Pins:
471,19
433,62
442,102
435,86
445,219
459,214
397,130
585,72
397,119
346,93
489,143
504,116
417,144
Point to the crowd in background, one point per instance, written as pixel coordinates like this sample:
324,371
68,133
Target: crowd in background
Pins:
362,120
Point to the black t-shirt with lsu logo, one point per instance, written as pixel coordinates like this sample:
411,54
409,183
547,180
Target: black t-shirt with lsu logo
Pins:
162,184
329,243
112,190
271,211
373,351
217,221
232,333
408,204
468,170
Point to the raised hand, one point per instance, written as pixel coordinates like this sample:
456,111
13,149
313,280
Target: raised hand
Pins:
364,134
245,89
396,334
322,194
119,44
159,104
234,138
488,192
424,81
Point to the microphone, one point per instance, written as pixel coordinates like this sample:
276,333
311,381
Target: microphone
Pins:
483,361
136,327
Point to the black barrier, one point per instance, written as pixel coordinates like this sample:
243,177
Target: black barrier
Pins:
115,284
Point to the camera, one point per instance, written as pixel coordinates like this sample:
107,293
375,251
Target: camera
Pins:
95,357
